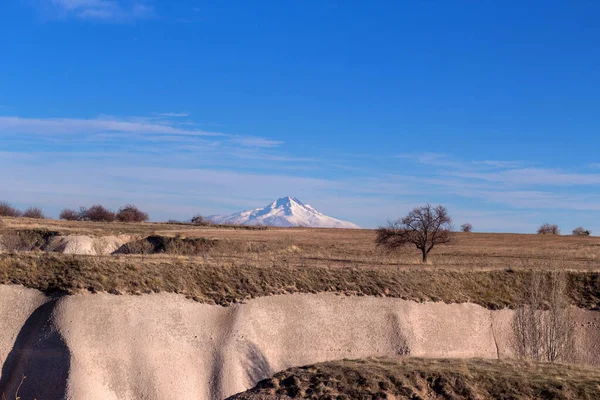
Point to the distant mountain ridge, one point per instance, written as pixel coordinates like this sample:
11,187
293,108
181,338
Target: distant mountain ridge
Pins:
284,212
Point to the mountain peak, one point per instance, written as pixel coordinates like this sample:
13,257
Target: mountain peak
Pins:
286,212
286,202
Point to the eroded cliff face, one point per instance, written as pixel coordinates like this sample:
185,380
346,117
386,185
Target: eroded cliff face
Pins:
164,346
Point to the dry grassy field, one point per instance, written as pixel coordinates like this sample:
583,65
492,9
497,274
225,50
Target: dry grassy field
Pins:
234,264
345,247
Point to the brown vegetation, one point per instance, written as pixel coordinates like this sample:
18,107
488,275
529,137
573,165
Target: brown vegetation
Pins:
542,324
6,210
201,220
466,228
33,212
69,215
212,281
97,213
131,213
580,231
168,245
548,229
26,240
429,379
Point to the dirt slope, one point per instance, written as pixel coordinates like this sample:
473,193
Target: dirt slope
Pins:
426,379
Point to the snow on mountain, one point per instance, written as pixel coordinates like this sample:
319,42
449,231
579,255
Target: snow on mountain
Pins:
285,212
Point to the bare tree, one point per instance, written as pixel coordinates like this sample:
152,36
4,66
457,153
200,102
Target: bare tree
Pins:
548,229
6,210
542,324
97,213
201,220
425,227
581,232
33,212
69,215
466,227
11,242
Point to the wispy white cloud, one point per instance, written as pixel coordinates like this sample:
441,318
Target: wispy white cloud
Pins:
431,159
512,173
173,114
107,10
535,176
147,134
60,126
500,164
249,141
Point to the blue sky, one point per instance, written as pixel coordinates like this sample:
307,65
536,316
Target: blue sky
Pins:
363,109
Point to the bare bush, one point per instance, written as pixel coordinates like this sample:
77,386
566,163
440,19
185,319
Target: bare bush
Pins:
466,228
425,227
543,326
131,213
33,212
97,213
6,210
581,232
11,242
201,220
99,246
69,215
548,229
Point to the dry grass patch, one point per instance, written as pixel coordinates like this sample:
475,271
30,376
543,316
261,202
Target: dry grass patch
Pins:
210,281
26,240
429,379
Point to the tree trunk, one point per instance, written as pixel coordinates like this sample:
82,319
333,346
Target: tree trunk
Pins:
424,256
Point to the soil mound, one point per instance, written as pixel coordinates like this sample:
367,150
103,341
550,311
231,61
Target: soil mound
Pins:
27,240
85,245
429,379
170,245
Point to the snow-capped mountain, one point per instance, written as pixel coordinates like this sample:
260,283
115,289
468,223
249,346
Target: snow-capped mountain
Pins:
285,212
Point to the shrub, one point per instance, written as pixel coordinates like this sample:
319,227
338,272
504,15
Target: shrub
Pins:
97,213
131,213
581,232
69,215
466,227
33,212
201,220
543,324
6,210
548,229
